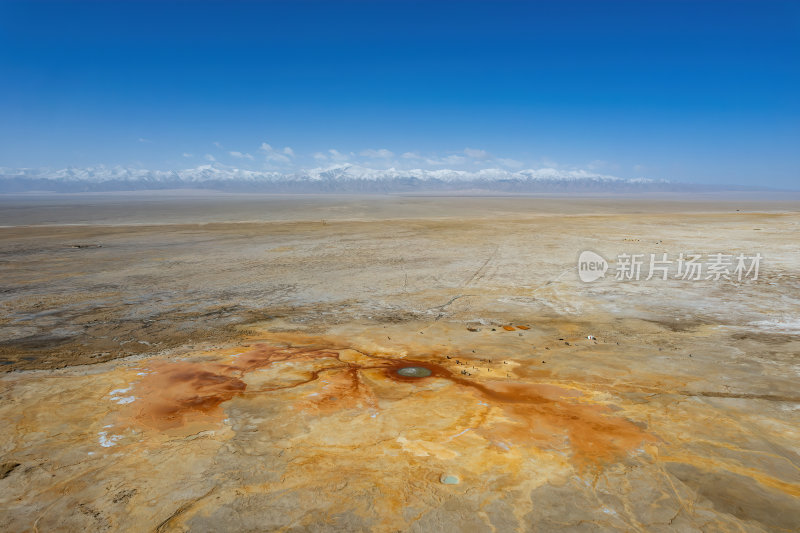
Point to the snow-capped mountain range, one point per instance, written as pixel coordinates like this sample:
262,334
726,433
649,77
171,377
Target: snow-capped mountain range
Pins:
346,178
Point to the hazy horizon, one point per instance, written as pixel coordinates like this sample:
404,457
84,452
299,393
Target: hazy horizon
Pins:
347,179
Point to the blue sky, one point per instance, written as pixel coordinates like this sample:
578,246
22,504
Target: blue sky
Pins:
703,92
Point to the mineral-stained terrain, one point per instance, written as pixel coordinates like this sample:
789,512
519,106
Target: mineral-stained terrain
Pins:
234,364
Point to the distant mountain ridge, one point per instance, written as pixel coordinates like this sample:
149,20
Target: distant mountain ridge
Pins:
335,179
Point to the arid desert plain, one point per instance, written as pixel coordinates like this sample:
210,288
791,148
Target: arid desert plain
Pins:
235,363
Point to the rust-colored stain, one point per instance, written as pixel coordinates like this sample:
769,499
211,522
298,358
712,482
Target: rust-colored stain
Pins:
175,392
550,417
542,415
508,328
177,389
523,327
557,419
342,389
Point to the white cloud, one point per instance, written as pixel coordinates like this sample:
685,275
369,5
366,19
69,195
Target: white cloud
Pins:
143,140
217,144
511,163
383,153
476,154
434,160
278,157
453,159
336,155
471,160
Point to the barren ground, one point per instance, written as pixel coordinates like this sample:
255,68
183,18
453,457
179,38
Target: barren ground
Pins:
228,363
